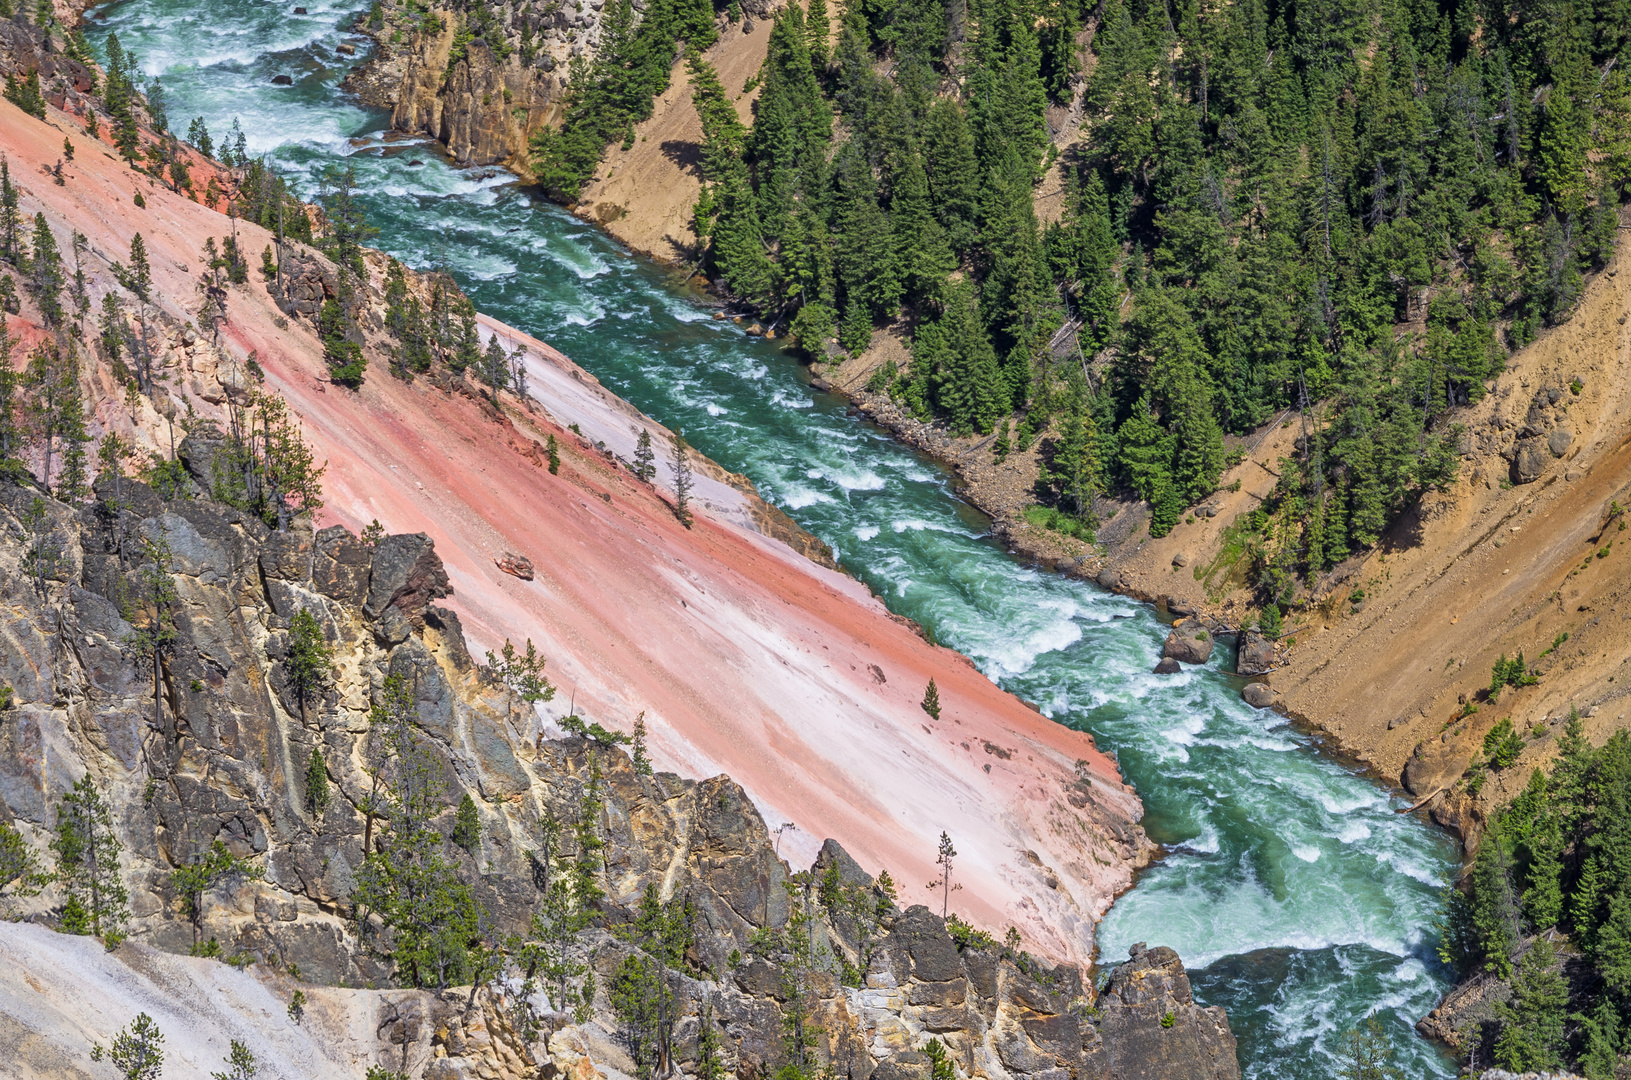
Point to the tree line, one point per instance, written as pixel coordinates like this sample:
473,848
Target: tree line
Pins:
1351,210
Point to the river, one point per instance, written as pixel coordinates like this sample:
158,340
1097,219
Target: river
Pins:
1298,899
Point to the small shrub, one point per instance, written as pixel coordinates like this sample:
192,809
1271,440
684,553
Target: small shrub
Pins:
1168,1020
297,1006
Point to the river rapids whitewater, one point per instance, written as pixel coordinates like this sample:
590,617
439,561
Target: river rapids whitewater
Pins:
1298,899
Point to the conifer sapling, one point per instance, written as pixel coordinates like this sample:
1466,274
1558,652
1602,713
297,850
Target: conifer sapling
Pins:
931,700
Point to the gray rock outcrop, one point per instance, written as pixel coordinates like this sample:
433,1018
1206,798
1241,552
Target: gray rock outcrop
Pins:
1151,1029
1255,654
222,756
1258,695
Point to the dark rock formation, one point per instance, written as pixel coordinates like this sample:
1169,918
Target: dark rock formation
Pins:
1168,666
1256,654
1150,1028
1188,643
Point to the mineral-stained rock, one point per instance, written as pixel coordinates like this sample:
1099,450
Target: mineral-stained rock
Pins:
1189,643
1151,1028
1256,654
405,573
515,565
224,759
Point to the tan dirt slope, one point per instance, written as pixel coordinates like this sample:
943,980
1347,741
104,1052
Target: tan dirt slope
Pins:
746,658
643,195
1489,567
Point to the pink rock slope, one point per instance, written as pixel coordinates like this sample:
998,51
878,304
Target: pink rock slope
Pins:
745,657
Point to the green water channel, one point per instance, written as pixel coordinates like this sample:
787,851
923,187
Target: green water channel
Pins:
1297,897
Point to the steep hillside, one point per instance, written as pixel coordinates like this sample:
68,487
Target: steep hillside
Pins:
745,657
1392,647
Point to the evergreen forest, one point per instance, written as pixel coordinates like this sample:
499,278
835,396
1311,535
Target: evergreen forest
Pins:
1345,213
1555,865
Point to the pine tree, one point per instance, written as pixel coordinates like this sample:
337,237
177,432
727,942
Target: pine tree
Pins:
311,659
682,481
1532,1035
317,796
546,951
494,368
553,450
432,918
1367,1053
87,856
467,825
943,859
137,1050
192,880
46,277
637,747
344,356
19,866
152,615
931,700
645,462
13,246
240,1061
522,673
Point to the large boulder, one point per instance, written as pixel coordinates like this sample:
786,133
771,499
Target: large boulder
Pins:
1168,666
1188,643
407,574
1529,459
1151,1029
1256,654
1258,695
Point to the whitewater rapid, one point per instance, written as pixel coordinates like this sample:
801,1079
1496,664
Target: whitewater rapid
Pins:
1298,898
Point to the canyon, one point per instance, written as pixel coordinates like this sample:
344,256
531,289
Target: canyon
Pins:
744,652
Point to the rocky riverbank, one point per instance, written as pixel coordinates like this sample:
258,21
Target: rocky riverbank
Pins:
1389,654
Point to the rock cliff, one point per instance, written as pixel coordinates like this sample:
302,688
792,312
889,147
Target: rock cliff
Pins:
745,656
217,752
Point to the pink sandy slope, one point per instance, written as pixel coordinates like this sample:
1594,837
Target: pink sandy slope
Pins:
745,658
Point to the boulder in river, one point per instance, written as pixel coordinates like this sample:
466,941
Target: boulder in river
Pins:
1258,695
1189,642
1168,666
282,80
1256,654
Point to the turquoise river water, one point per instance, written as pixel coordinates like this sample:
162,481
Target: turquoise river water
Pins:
1297,897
